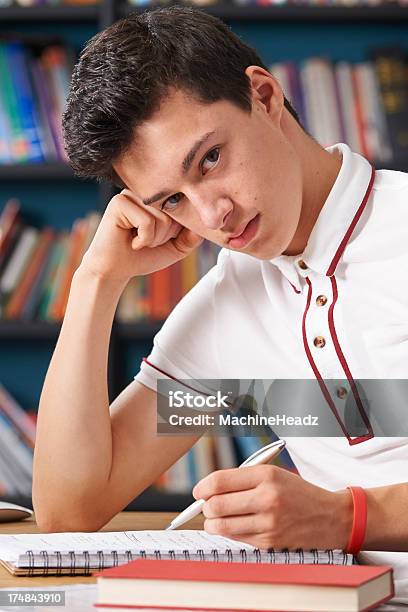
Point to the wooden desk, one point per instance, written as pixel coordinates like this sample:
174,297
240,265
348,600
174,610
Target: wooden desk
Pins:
125,521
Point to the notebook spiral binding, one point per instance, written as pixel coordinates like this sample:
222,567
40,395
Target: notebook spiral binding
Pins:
40,560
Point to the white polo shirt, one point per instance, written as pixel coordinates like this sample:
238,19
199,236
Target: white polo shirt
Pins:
337,311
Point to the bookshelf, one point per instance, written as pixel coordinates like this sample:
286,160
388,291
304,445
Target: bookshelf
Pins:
51,194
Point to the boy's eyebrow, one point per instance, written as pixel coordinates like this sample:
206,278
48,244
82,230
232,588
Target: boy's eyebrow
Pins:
186,165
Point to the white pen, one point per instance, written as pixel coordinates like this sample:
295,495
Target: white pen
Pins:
263,455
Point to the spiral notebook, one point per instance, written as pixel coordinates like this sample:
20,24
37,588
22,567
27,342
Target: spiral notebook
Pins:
84,553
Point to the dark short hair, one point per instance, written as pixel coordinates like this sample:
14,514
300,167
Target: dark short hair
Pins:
125,71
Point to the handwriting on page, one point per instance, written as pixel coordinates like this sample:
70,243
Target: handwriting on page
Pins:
14,545
183,540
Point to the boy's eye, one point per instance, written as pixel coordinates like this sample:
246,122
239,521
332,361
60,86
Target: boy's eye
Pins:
171,202
212,157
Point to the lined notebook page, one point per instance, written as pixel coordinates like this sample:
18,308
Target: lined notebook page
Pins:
11,546
84,552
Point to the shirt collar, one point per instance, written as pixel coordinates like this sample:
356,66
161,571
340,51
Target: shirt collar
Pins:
334,220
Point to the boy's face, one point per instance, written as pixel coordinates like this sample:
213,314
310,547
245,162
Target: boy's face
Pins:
215,169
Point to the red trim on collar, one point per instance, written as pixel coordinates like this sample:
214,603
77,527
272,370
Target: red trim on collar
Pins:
294,288
332,268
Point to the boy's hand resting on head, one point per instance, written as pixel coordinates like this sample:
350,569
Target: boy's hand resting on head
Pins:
270,507
133,240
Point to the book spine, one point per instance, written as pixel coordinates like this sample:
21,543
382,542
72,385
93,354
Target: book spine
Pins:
360,116
18,261
18,143
30,307
56,96
18,416
44,108
52,271
9,222
377,115
15,304
347,108
18,457
393,83
5,136
24,97
57,280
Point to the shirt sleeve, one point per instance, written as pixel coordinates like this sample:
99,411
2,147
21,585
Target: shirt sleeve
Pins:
185,346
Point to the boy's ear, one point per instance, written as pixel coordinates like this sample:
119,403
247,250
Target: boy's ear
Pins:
266,92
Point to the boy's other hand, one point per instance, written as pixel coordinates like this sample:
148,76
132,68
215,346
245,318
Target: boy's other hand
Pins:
270,507
133,240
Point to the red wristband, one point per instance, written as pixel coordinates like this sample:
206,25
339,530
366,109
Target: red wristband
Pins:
358,530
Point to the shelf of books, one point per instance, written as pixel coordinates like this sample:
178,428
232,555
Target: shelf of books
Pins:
37,266
362,103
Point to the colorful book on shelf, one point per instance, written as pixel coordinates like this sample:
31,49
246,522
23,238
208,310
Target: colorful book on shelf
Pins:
60,275
392,75
74,254
19,146
21,420
25,101
17,264
57,69
51,280
378,135
49,121
5,150
30,307
14,307
239,586
10,225
17,455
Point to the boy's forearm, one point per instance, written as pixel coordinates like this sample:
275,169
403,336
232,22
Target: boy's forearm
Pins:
74,443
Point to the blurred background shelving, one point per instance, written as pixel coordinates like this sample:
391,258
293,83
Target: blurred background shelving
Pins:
50,195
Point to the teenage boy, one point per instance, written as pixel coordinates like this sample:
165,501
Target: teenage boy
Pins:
310,282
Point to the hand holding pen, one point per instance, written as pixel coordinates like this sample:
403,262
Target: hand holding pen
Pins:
269,506
263,455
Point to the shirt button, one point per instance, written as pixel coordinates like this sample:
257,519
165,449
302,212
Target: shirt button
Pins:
319,341
341,392
321,300
302,264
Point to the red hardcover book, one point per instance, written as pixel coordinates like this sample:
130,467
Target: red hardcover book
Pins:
205,585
